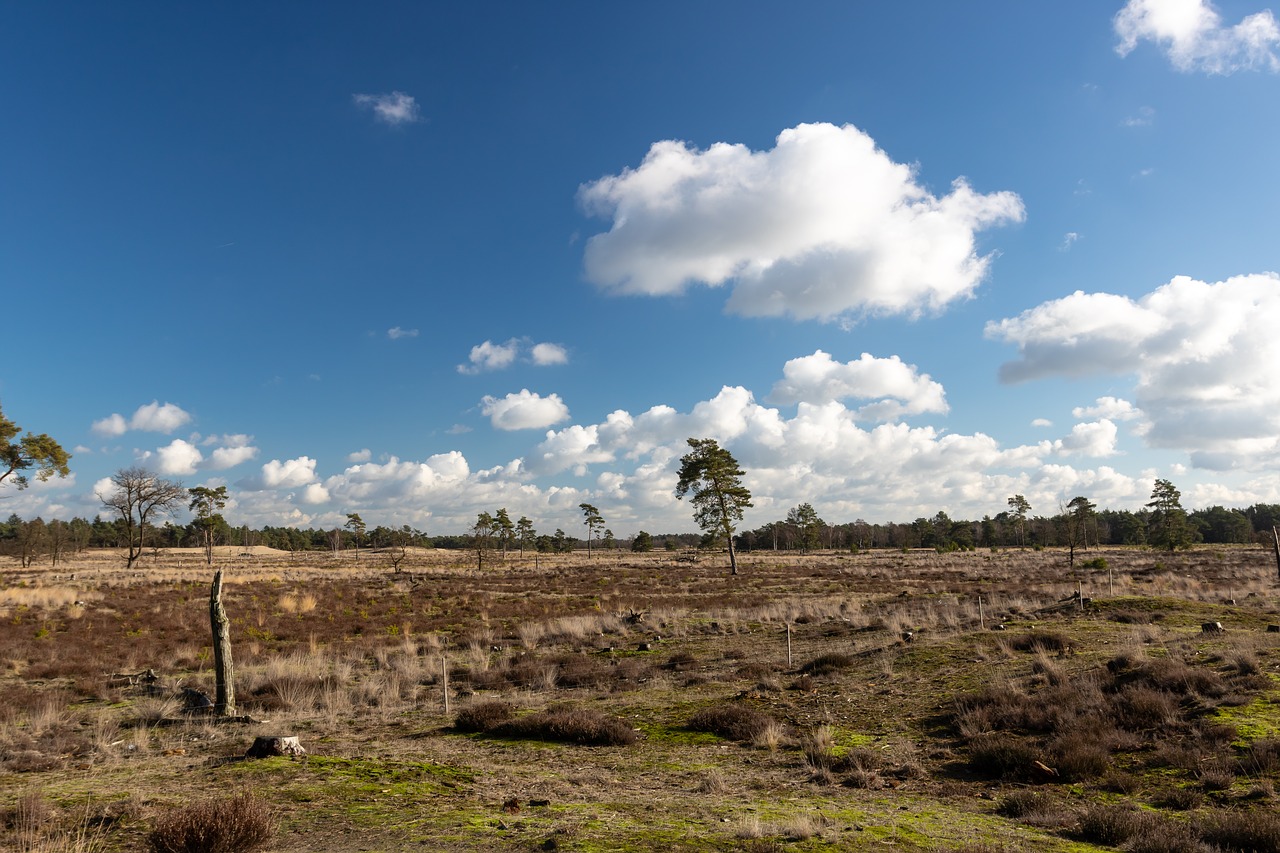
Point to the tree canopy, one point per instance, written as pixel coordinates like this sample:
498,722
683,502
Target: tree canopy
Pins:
18,455
712,476
139,496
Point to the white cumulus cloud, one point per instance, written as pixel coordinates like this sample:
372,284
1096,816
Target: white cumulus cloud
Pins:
229,457
897,388
1192,35
524,410
112,425
546,354
822,226
1112,408
157,417
290,474
152,417
363,455
1202,354
179,457
490,356
394,108
396,333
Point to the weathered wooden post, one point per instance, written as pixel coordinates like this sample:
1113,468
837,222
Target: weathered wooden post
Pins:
444,678
982,619
788,645
223,668
1275,538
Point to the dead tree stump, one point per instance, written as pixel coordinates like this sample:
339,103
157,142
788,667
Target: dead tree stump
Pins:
267,746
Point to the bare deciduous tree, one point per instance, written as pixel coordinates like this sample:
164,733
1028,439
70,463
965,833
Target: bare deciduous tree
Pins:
139,497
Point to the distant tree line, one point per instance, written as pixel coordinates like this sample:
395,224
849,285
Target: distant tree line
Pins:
1077,524
1217,525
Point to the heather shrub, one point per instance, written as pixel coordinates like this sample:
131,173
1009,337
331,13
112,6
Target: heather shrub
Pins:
827,664
1079,756
735,722
1048,641
238,824
1247,831
1002,756
582,726
483,716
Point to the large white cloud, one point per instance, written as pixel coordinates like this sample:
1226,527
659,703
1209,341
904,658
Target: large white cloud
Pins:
152,417
179,457
1193,36
897,388
290,474
1203,354
823,225
524,410
157,417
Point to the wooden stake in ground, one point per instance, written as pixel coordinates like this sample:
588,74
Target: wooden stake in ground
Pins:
788,645
1275,536
444,678
223,668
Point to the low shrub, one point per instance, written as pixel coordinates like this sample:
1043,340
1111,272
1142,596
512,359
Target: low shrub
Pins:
1002,756
1024,804
1242,830
1113,825
483,716
238,824
582,726
1079,756
735,722
1048,641
827,664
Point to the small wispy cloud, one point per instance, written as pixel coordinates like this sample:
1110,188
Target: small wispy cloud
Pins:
395,108
458,429
1068,240
396,333
489,356
1042,422
1142,118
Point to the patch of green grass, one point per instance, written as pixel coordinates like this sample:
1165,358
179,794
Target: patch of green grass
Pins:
1254,721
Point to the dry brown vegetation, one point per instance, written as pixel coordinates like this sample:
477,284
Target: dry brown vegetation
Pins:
908,716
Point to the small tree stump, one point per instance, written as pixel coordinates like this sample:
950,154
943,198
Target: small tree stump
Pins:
269,745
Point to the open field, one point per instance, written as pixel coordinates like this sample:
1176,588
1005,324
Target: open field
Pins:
903,720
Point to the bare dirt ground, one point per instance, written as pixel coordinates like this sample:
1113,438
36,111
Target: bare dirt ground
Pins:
858,667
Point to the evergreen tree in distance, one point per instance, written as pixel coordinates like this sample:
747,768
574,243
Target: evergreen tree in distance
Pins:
711,475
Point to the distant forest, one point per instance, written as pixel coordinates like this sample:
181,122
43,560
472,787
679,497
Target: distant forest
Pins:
37,540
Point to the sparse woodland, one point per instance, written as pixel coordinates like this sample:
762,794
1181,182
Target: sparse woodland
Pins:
913,700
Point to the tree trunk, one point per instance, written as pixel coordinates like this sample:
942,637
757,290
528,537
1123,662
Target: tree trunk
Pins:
733,558
224,670
272,745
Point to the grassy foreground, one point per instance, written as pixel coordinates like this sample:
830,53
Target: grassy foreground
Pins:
886,700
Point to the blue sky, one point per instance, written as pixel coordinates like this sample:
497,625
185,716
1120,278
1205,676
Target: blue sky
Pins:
418,261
